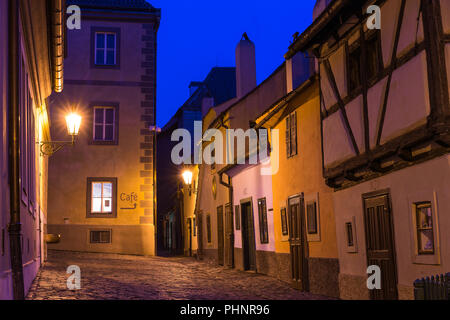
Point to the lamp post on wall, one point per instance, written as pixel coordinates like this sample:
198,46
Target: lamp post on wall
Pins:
73,122
187,178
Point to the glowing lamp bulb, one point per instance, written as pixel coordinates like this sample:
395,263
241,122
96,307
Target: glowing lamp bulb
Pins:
187,177
73,121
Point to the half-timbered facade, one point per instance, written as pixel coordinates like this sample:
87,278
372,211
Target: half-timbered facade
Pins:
385,134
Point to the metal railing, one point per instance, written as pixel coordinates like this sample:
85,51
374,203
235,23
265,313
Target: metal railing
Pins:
432,288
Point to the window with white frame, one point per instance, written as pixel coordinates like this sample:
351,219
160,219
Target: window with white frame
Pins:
101,197
105,48
424,228
104,124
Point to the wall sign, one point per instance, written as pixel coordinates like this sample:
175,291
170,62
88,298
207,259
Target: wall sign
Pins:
130,201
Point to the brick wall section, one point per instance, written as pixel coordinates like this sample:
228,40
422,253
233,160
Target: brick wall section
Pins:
147,120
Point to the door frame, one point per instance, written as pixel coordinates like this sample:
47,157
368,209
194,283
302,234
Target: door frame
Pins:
374,194
220,258
243,202
231,235
304,240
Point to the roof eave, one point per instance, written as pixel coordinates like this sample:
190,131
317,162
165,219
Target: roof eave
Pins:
307,39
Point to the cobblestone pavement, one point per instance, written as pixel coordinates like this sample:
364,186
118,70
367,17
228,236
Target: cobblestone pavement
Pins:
111,277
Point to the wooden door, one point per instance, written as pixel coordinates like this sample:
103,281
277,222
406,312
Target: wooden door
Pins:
298,244
220,236
248,237
229,236
380,244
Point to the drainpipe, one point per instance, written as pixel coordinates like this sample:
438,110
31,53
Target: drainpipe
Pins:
57,44
14,227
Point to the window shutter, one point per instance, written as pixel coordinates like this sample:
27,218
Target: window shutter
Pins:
288,137
293,133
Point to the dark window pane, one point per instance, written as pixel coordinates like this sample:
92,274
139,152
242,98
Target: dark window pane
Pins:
109,116
98,132
354,69
100,57
111,41
95,237
110,57
99,116
372,58
312,218
109,132
349,229
100,40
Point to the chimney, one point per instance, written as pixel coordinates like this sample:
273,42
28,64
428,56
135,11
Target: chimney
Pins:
245,66
207,103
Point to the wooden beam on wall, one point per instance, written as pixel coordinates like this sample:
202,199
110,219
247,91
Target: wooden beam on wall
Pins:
435,48
332,81
391,71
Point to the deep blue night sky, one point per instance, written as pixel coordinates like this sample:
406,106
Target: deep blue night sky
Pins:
197,35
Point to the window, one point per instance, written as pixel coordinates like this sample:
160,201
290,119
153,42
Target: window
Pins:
27,140
351,240
374,62
102,197
311,211
263,226
424,226
291,135
349,232
208,227
284,225
105,48
237,217
100,236
104,124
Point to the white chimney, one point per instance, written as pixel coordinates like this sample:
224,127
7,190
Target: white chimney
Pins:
245,66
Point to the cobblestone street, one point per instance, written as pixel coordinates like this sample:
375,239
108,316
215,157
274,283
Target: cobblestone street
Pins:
110,276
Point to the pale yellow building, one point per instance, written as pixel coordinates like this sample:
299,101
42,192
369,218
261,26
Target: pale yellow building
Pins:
101,191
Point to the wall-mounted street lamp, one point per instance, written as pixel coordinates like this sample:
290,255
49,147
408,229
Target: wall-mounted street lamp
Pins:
187,177
73,122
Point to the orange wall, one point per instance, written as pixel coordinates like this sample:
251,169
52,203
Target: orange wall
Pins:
308,178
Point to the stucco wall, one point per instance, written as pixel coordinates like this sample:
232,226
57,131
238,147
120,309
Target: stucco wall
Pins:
131,88
249,183
307,179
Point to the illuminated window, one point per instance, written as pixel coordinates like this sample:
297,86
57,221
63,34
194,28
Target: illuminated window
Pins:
105,48
102,197
424,228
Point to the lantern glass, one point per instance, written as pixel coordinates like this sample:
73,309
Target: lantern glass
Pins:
187,177
73,122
